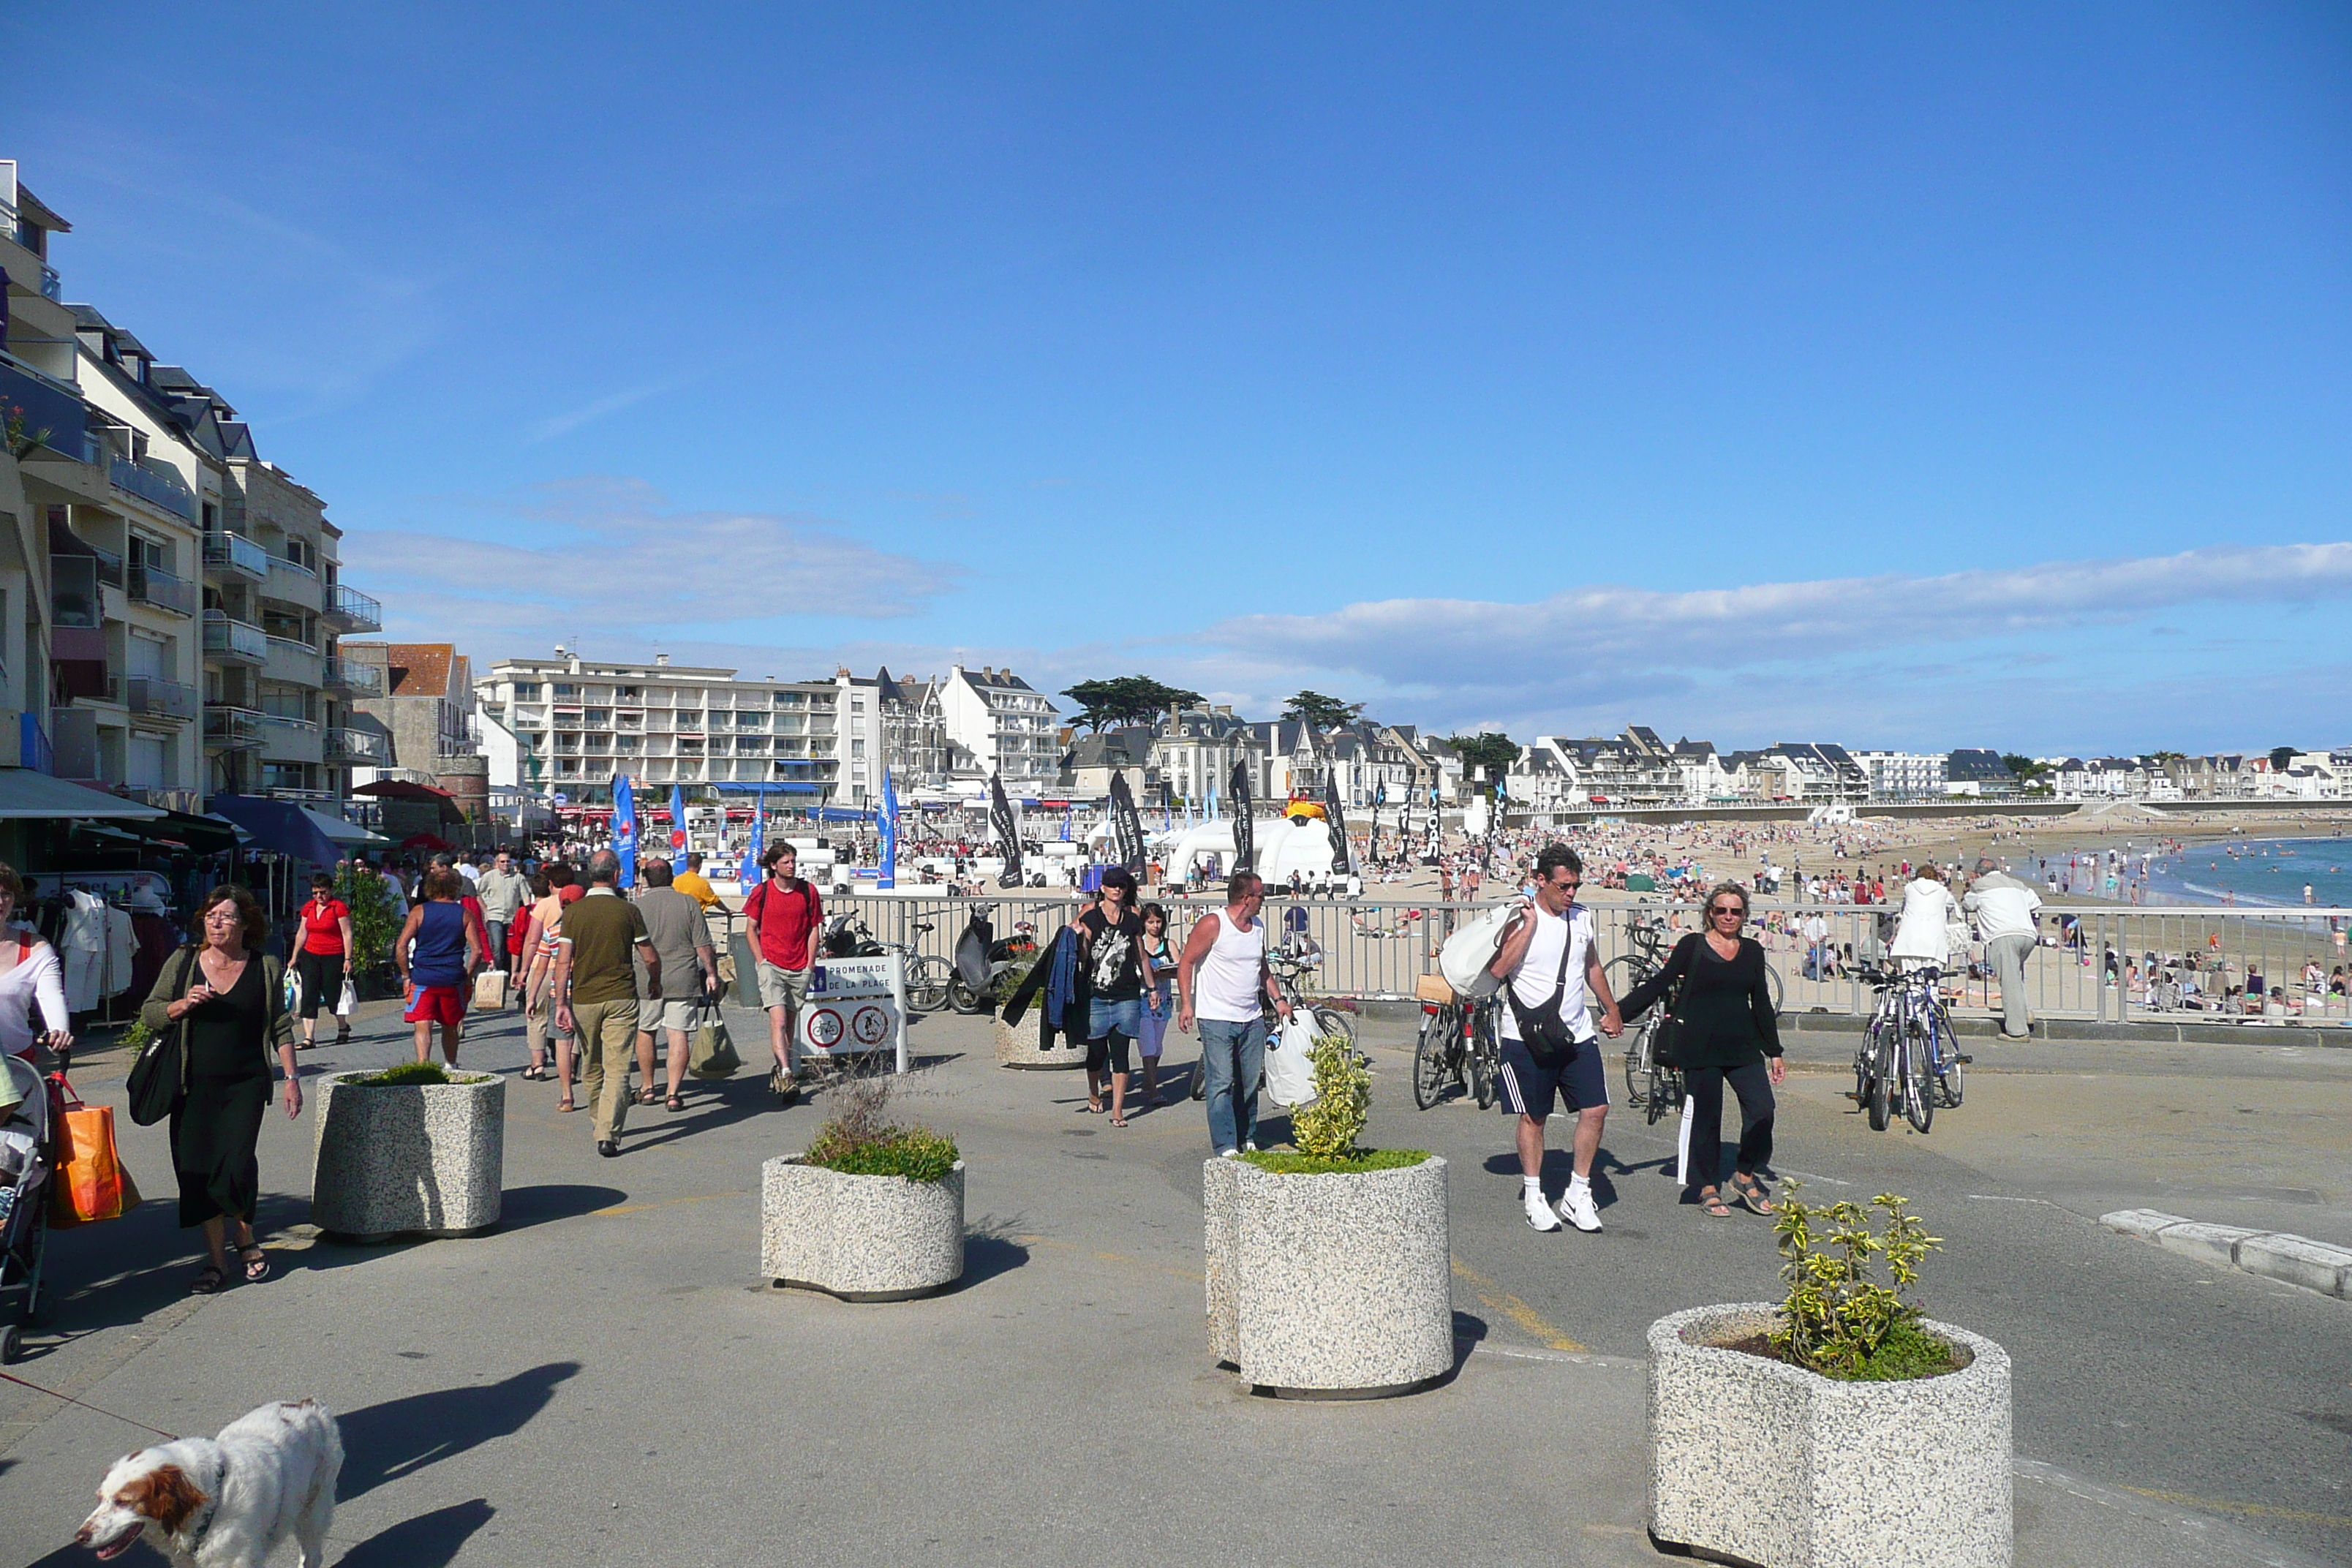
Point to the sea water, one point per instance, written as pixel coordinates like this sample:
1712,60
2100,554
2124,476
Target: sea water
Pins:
2243,872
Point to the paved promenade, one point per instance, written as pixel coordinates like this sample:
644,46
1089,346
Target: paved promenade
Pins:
605,1379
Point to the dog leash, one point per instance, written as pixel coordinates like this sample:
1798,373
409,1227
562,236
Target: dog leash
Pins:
69,1399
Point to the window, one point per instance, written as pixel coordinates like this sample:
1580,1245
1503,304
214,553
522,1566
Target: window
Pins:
631,694
525,691
857,748
599,716
564,689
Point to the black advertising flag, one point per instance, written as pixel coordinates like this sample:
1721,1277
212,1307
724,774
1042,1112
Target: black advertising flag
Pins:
999,814
1337,822
1244,832
1127,828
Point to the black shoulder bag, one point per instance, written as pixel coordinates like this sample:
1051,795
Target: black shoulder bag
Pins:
1666,1040
154,1086
1541,1029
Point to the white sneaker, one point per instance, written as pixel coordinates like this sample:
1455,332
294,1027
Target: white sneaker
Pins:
1249,1147
1229,1154
1540,1212
1577,1208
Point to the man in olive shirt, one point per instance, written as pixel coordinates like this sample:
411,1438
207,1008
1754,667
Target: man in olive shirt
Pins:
675,925
596,991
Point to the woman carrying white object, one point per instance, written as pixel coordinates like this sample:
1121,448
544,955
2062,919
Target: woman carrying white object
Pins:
29,973
1920,932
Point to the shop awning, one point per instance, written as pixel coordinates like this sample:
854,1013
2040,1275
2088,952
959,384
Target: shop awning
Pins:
278,826
27,795
178,830
402,789
335,830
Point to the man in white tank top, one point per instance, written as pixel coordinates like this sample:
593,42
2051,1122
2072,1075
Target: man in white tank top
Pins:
1219,980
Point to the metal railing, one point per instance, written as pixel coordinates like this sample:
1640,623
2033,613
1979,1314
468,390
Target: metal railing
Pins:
153,486
228,637
231,729
235,553
362,679
362,746
358,611
2100,962
158,698
152,585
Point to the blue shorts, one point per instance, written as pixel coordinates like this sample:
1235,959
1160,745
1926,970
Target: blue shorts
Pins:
1111,1027
1578,1081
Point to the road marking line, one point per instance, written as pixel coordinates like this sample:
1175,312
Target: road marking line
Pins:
1110,1256
1998,1198
2259,1509
664,1203
1529,1320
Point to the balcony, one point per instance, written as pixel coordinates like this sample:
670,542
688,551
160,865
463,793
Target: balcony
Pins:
352,611
234,641
49,405
158,486
233,555
231,729
365,748
159,590
357,679
293,663
292,583
289,739
158,699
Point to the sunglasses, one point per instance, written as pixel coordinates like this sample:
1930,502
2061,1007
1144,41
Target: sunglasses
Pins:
1729,909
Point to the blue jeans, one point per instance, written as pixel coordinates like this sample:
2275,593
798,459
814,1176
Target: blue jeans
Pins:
1233,1064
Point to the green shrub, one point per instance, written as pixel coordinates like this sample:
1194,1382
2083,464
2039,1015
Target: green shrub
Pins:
858,1140
374,924
1328,1128
407,1074
1287,1163
1837,1320
134,1038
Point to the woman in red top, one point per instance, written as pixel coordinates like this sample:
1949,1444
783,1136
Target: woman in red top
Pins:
326,946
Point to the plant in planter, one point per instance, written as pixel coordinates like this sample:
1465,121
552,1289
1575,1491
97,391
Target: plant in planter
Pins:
410,1150
873,1210
1868,1431
374,923
1329,1268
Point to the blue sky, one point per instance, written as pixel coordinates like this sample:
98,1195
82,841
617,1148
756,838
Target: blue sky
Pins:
1964,377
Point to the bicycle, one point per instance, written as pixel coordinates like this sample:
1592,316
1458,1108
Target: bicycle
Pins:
1908,1049
927,976
1458,1045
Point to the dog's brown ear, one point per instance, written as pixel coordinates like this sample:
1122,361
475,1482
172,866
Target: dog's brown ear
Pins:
165,1495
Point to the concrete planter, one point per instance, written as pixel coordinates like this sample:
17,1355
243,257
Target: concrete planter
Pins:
1756,1461
407,1159
862,1238
1016,1046
1333,1287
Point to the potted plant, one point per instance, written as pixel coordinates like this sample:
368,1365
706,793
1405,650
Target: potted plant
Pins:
1841,1425
1023,1044
871,1211
1328,1272
373,927
411,1150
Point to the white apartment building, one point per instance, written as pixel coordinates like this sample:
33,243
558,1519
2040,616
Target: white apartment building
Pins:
1905,775
894,724
997,723
576,722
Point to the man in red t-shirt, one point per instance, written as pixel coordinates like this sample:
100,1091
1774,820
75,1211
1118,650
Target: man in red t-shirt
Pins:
785,913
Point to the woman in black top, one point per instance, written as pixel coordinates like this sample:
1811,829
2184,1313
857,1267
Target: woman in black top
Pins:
232,999
1111,948
1728,1035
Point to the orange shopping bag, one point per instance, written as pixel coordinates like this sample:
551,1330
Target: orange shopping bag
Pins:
88,1182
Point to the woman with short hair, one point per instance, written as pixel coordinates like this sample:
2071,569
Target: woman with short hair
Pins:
30,976
1728,1035
438,951
320,963
225,998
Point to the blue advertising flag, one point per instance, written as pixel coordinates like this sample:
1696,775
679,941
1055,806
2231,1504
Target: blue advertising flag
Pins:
676,829
888,828
749,872
625,828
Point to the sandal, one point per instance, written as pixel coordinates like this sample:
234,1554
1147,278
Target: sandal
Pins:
1118,1120
257,1264
1715,1206
208,1280
1091,1108
647,1097
674,1102
534,1074
1752,1197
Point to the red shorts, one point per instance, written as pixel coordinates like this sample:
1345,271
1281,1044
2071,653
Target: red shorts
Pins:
436,1004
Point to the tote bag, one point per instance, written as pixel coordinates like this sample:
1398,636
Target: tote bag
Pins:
1289,1067
87,1182
1468,953
712,1055
154,1087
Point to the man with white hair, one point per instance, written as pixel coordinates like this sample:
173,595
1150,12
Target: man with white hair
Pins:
2008,914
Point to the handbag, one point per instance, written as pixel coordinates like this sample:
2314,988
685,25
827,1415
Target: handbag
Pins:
712,1055
1666,1040
1289,1071
154,1087
89,1183
1464,958
348,1003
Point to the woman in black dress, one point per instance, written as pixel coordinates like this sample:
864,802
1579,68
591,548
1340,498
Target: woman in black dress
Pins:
227,1000
1730,1034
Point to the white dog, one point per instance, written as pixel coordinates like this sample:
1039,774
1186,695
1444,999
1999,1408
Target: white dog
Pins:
227,1501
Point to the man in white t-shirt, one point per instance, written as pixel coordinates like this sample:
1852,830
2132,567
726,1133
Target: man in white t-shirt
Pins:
1552,978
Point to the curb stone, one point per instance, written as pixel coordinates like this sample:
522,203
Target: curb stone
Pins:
2274,1255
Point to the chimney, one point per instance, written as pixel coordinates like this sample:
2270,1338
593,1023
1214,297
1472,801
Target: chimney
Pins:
559,651
661,659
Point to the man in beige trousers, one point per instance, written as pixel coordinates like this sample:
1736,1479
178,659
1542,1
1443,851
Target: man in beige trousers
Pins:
596,992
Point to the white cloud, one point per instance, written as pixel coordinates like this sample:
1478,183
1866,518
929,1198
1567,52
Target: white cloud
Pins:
612,559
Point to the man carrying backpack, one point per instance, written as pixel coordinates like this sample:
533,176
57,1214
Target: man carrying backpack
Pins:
785,913
1551,976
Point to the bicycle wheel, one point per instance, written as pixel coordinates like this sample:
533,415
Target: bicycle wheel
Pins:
1485,1061
1331,1021
1919,1078
1662,1086
1637,1066
1626,970
927,984
1430,1066
1878,1091
1772,980
1947,1065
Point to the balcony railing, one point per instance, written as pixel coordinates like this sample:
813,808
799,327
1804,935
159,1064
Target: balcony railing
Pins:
363,746
227,637
231,729
153,486
359,680
150,585
160,698
355,610
236,554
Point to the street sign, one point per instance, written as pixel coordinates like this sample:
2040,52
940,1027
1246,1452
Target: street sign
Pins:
855,1005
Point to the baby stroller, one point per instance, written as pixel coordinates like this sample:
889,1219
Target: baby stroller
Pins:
28,1152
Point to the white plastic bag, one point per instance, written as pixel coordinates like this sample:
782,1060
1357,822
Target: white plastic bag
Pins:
1289,1063
349,1001
1468,953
